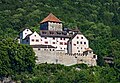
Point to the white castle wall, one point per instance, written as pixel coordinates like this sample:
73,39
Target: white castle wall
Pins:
62,58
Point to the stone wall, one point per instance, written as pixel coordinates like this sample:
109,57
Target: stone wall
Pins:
59,57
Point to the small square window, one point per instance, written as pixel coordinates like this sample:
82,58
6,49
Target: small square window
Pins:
81,37
74,44
54,38
80,42
46,42
32,39
53,42
84,42
38,48
64,38
35,35
60,38
61,43
77,42
45,37
37,40
77,37
65,43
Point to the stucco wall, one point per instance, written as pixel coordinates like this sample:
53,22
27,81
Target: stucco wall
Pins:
59,57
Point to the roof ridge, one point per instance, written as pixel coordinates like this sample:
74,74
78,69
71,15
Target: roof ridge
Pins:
50,18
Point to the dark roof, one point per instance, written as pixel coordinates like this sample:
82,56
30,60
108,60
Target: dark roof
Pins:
24,29
46,33
28,36
42,46
50,18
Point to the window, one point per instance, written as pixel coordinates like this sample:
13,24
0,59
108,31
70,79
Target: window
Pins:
50,49
81,47
74,44
37,40
33,40
43,32
41,39
81,37
61,43
77,37
45,37
64,38
77,47
53,50
60,38
53,42
27,29
94,56
65,43
25,33
38,48
84,42
54,38
51,32
77,42
78,50
35,35
46,42
80,42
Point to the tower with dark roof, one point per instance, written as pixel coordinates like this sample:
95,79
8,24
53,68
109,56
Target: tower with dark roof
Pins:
51,23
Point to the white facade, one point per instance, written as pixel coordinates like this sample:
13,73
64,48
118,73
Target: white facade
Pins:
59,43
35,39
78,44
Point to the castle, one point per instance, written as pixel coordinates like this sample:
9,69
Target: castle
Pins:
58,45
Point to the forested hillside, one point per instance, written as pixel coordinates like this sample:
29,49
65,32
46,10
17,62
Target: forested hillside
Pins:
98,20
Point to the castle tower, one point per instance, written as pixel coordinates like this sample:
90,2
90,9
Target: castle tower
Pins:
51,23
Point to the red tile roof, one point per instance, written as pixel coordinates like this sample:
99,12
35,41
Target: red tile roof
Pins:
50,18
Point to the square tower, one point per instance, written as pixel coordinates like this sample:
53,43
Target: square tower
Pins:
51,23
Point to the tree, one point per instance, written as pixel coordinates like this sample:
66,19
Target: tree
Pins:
15,58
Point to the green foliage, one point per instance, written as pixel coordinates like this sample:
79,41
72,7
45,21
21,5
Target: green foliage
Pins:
58,73
98,20
15,58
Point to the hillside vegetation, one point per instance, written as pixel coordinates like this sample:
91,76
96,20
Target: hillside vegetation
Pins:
98,20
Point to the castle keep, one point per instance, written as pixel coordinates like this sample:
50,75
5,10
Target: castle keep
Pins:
55,44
